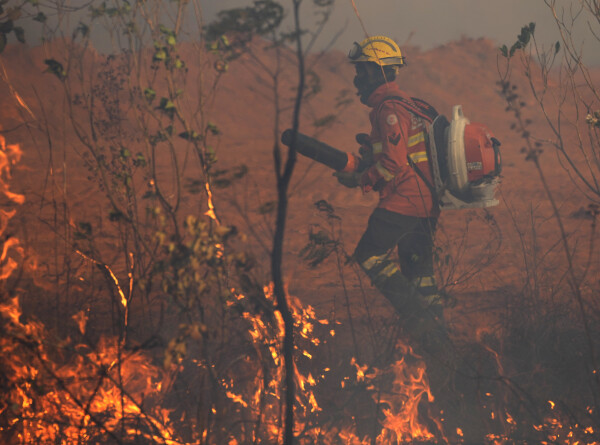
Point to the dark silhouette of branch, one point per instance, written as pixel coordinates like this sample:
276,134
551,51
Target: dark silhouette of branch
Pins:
283,182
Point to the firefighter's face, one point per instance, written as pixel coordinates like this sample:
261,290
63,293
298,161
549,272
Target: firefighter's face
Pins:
368,76
364,74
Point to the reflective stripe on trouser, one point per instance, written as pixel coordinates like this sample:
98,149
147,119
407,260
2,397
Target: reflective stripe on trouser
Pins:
379,267
427,287
387,277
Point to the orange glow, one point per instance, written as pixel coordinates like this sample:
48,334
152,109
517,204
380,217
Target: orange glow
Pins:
94,394
87,393
81,319
400,403
401,418
211,208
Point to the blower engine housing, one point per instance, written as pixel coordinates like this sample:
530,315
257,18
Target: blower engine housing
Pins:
465,161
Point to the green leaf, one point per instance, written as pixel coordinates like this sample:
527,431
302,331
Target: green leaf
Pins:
115,215
140,160
190,136
171,40
213,128
40,17
82,29
267,207
557,47
504,50
211,156
526,33
159,55
2,41
55,68
130,28
149,94
166,104
240,171
98,12
324,206
85,228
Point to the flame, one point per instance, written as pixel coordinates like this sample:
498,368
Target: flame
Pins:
270,336
211,208
62,392
71,394
81,319
16,95
9,156
400,404
100,392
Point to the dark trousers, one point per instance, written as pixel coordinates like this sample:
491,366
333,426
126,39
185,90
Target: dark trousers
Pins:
413,238
409,284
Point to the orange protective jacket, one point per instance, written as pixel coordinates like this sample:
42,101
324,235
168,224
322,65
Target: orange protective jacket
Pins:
395,135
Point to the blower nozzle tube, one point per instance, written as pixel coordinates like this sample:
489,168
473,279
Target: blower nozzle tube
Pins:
321,152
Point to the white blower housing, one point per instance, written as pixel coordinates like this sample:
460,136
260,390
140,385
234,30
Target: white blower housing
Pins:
465,160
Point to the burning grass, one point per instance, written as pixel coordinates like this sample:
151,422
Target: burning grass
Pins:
220,380
62,391
57,391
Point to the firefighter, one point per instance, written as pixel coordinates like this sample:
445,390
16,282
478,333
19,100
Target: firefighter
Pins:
407,213
405,218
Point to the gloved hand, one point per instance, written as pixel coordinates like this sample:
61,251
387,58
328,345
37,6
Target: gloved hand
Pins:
348,179
366,149
363,139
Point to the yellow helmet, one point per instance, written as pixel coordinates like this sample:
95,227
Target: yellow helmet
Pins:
378,49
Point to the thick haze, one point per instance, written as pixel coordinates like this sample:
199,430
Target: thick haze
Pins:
429,23
423,23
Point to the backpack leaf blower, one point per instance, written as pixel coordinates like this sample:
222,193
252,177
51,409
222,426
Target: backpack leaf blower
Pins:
464,158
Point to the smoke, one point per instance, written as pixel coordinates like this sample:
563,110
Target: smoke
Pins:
423,23
429,23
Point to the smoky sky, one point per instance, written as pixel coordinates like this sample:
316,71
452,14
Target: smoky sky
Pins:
429,23
422,23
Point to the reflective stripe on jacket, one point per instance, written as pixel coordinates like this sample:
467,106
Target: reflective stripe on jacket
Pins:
396,135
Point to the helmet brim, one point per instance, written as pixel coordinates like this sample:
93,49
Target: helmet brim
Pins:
388,61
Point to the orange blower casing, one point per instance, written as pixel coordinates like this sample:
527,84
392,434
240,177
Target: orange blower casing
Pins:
482,159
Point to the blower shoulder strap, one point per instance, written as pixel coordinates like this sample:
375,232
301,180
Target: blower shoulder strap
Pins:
429,185
416,106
